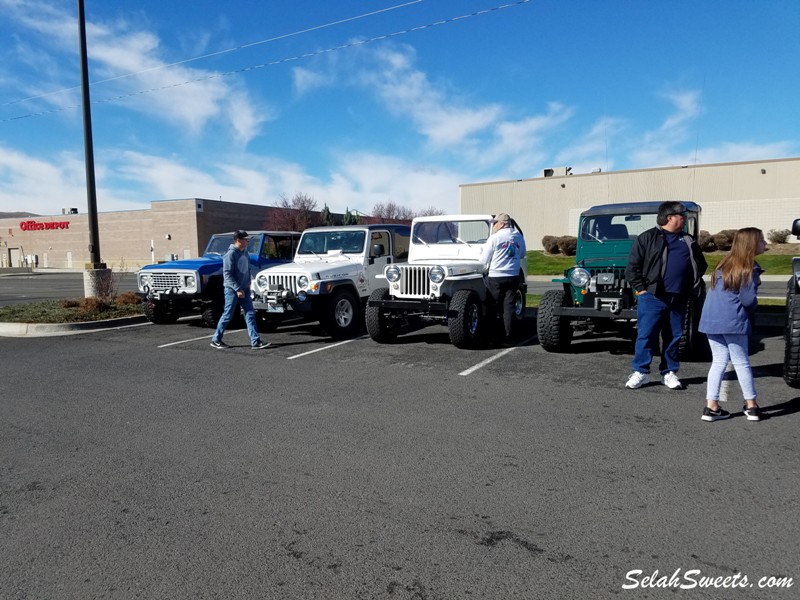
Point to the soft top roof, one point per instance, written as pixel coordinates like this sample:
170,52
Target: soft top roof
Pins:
627,208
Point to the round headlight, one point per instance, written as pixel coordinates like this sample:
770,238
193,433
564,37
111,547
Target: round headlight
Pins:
393,273
262,281
437,274
190,281
302,282
580,277
146,279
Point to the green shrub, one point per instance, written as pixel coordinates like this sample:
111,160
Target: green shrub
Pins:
778,236
706,241
568,244
550,244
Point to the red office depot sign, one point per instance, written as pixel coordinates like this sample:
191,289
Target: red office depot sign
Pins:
37,225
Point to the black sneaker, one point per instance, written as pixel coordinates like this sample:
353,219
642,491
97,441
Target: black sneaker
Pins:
259,345
219,345
714,415
752,414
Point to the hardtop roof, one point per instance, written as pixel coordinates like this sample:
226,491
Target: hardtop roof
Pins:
368,226
625,208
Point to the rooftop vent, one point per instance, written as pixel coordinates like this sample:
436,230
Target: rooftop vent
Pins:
558,172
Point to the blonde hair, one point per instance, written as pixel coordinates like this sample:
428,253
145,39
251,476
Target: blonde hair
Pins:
736,269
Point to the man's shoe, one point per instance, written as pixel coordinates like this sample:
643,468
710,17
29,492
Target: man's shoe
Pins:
671,381
637,380
219,345
752,414
714,415
259,345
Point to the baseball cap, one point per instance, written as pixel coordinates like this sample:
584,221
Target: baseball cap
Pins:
241,235
502,218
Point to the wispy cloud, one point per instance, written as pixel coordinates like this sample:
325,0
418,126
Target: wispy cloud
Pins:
117,49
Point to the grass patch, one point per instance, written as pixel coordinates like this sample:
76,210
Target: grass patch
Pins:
72,310
773,264
540,263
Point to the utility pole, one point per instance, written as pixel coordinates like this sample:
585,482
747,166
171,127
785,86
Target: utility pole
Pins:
97,281
91,192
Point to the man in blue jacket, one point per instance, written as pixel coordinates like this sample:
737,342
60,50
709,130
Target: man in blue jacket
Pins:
236,279
665,268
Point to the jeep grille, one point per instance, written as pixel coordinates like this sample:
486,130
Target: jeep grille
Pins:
287,282
165,281
414,282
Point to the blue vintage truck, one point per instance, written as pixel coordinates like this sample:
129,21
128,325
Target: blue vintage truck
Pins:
172,289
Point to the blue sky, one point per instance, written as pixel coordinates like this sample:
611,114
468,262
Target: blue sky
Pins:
247,101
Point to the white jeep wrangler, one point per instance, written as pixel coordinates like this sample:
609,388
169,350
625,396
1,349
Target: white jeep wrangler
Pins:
443,281
333,273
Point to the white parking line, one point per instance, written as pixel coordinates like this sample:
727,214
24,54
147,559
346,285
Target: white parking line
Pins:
205,337
491,359
327,347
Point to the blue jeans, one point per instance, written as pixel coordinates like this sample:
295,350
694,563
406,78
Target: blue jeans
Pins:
656,316
232,302
734,347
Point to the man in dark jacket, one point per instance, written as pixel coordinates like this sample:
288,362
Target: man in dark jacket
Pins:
236,279
665,269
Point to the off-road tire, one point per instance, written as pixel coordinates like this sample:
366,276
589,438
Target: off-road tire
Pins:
791,360
342,315
211,314
160,314
554,331
379,325
466,319
518,321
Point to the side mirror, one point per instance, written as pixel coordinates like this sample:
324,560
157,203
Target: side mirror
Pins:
796,227
378,250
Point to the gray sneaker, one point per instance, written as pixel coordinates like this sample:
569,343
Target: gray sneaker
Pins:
219,345
259,345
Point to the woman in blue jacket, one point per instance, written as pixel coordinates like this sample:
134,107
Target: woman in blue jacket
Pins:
727,320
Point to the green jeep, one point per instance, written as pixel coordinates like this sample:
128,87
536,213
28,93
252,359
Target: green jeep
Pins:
596,294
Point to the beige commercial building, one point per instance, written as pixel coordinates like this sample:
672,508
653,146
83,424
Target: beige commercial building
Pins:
763,194
128,239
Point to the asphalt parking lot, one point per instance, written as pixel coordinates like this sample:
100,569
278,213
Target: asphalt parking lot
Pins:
140,462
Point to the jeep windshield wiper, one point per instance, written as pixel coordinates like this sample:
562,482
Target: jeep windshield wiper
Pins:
420,240
458,239
591,235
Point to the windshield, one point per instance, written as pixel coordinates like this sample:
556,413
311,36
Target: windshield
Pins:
615,227
450,232
322,242
219,244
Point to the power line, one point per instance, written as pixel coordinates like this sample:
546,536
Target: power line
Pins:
220,52
279,61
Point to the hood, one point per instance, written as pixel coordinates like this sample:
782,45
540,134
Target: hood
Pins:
325,263
203,263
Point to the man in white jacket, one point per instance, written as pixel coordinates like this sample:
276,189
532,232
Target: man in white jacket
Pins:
504,251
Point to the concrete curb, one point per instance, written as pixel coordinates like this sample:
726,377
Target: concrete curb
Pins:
53,329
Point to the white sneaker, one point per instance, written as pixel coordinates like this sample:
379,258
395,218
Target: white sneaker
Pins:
637,380
671,381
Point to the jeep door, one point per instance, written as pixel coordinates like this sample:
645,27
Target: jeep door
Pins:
379,254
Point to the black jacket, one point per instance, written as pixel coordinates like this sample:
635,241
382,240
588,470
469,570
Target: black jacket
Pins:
646,264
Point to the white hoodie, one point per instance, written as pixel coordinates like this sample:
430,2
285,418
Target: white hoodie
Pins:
503,252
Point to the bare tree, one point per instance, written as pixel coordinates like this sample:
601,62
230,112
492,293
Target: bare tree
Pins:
297,214
392,213
430,212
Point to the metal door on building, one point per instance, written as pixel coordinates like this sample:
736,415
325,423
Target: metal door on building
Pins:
15,257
